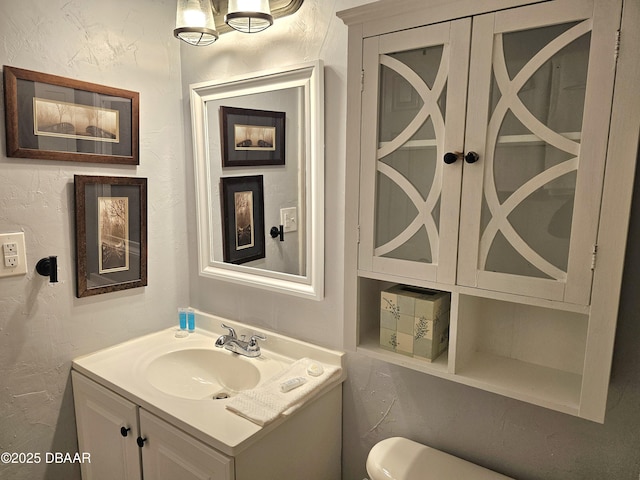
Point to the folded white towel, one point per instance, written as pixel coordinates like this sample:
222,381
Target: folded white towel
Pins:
267,402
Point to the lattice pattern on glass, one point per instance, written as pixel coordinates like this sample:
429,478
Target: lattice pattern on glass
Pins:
533,149
410,141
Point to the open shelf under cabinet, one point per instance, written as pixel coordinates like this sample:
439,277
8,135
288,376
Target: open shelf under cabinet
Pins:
528,352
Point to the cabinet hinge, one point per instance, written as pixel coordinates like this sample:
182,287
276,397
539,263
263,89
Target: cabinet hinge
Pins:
358,234
616,51
594,254
362,81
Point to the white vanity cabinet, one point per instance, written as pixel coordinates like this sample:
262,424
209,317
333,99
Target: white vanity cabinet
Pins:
107,426
492,156
168,453
111,428
130,437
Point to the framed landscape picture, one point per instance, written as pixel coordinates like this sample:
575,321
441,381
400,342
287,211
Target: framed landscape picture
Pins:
111,234
242,218
252,137
55,118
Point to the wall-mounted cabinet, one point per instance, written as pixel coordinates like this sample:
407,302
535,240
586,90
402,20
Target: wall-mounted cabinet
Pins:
485,170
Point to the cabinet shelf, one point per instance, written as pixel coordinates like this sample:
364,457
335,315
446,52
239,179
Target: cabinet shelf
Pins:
475,292
527,351
545,375
544,386
530,139
514,140
371,348
413,144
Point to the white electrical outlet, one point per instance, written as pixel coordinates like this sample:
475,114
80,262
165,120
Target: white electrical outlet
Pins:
14,254
11,262
10,248
289,219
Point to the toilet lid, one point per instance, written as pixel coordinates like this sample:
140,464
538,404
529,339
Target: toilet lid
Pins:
403,459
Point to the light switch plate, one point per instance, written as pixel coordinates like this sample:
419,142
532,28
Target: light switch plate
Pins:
289,219
13,254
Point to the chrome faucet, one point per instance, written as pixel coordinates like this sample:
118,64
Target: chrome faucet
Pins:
238,345
223,339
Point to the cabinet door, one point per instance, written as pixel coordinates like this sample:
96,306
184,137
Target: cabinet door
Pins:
414,87
540,91
100,416
169,454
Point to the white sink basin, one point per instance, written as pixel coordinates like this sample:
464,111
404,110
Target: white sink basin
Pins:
177,379
197,373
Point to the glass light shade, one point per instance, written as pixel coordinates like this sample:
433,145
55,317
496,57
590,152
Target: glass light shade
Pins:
194,22
249,16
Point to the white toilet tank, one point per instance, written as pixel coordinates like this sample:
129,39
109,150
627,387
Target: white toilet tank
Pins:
399,458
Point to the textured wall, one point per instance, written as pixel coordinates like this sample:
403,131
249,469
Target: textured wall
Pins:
382,400
122,44
129,45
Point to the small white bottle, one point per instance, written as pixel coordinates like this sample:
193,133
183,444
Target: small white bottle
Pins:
292,383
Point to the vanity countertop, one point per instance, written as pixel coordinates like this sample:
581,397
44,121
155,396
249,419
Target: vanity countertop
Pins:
122,368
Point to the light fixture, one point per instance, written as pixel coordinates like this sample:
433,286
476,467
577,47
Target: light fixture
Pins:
194,22
249,16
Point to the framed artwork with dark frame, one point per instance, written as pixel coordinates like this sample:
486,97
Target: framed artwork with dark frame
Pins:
111,234
252,137
242,218
56,118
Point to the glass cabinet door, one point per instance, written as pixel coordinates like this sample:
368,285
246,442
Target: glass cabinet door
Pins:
414,86
530,203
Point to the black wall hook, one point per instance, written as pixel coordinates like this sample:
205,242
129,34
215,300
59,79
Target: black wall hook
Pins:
275,231
48,267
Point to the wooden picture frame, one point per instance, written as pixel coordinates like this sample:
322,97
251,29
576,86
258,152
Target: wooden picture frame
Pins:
242,200
111,234
55,118
252,137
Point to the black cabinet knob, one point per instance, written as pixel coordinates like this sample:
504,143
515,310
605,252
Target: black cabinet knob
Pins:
450,158
140,441
471,157
124,431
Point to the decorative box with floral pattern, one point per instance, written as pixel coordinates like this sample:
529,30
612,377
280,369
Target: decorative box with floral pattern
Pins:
414,321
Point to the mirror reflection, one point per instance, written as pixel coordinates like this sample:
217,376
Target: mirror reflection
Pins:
283,182
259,164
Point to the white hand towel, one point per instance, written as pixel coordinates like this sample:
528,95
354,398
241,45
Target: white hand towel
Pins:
266,402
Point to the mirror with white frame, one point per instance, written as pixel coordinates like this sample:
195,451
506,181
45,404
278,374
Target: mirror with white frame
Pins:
282,177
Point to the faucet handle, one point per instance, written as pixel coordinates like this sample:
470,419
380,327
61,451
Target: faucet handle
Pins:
253,340
232,332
